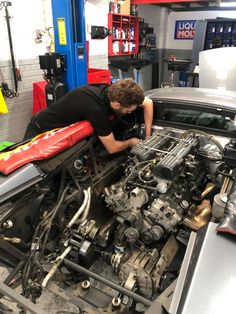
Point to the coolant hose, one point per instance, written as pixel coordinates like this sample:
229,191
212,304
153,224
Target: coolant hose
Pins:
80,210
86,211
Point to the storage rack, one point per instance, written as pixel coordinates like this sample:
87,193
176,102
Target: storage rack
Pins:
123,40
220,33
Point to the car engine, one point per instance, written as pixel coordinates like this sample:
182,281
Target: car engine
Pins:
162,182
131,213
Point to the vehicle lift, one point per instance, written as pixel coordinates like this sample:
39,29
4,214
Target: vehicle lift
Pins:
67,68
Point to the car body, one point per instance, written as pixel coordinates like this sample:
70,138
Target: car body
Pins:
201,105
123,220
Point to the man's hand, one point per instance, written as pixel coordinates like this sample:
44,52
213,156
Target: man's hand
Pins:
134,141
114,146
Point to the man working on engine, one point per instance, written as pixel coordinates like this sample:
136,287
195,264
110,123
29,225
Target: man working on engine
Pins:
98,104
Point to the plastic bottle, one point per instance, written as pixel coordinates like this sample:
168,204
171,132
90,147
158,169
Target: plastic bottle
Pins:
111,6
117,33
132,32
126,46
122,34
133,10
130,46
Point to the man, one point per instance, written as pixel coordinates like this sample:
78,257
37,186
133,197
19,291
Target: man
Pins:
98,104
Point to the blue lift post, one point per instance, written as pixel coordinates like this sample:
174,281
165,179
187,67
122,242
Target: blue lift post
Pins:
70,39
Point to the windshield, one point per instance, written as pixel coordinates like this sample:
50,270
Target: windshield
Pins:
214,119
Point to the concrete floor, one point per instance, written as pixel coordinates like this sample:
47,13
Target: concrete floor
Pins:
49,302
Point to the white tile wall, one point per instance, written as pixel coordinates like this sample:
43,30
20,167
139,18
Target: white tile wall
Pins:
98,61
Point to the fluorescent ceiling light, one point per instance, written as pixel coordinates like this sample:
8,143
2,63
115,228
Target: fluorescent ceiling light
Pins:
228,4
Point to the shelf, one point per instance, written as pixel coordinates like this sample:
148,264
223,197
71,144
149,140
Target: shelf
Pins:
125,65
122,54
123,39
126,26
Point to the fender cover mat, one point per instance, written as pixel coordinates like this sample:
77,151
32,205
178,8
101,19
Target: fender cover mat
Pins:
44,146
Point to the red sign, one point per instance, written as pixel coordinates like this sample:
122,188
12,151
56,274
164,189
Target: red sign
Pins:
44,146
185,34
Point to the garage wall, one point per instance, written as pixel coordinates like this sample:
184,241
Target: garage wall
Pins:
157,18
25,24
201,15
183,48
13,124
26,17
96,13
163,23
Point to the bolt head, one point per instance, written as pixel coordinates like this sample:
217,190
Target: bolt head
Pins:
85,284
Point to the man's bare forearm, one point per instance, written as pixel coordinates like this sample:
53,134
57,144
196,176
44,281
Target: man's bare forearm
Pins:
148,115
119,146
114,146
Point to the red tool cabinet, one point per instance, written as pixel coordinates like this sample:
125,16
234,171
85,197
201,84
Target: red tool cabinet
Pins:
98,76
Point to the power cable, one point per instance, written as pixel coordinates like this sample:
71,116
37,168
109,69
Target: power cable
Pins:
6,91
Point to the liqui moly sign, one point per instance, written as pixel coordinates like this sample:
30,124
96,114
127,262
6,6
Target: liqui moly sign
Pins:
185,29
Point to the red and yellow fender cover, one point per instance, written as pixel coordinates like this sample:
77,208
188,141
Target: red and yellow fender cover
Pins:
44,146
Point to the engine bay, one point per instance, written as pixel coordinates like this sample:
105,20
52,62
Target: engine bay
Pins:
116,224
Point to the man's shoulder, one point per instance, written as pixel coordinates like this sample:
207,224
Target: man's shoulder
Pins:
97,92
98,89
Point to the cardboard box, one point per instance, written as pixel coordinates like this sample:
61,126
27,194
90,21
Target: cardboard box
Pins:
125,7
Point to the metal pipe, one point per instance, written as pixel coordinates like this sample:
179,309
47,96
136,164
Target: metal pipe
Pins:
12,250
74,18
109,283
11,47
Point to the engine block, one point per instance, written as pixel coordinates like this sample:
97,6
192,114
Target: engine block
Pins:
151,198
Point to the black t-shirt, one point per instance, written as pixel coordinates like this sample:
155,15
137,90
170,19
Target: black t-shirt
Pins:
89,102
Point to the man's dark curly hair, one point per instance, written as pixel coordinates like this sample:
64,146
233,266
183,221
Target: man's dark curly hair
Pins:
127,92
